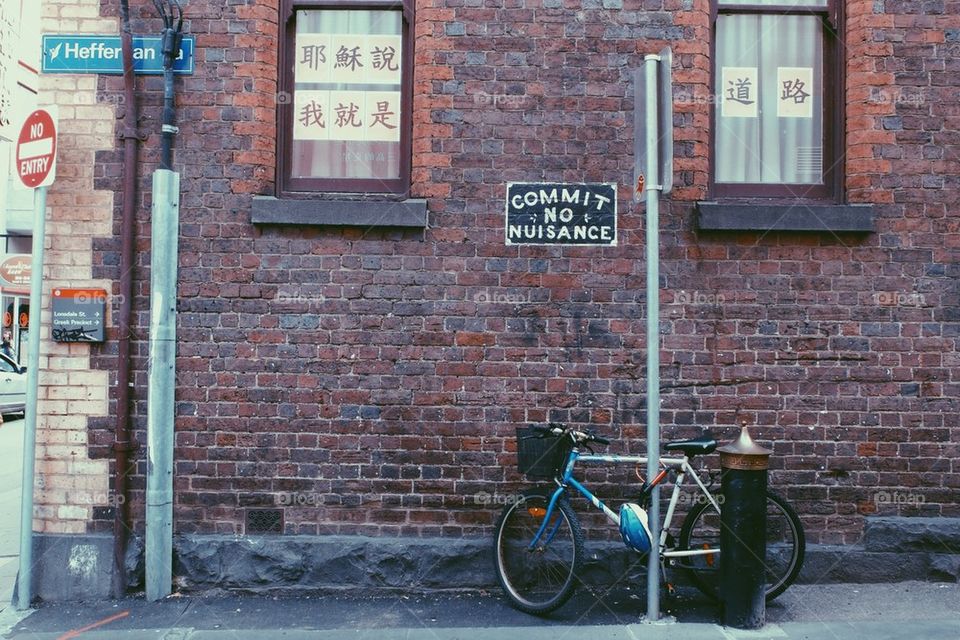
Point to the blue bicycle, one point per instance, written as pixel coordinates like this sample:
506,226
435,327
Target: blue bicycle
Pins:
538,551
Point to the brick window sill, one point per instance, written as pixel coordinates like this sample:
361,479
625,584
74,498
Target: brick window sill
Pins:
318,213
753,216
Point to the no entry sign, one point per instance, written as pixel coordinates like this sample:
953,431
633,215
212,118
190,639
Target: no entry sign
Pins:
37,149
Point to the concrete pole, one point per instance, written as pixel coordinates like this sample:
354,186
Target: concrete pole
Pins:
25,574
161,382
651,63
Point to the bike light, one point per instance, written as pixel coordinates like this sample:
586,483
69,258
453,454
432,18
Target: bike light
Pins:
537,512
709,556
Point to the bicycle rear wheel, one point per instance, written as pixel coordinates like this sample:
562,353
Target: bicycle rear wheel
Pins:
541,579
786,546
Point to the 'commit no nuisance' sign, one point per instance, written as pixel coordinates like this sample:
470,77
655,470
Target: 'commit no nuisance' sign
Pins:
567,214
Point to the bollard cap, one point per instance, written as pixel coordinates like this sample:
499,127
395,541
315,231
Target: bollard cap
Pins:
744,454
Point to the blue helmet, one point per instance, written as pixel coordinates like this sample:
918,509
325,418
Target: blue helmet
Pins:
633,527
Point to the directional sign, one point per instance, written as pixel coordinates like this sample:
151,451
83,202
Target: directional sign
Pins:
78,315
103,54
37,149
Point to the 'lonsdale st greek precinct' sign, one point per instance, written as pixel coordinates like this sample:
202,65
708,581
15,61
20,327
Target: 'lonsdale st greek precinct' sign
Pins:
567,214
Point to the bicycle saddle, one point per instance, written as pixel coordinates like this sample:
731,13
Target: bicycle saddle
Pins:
702,446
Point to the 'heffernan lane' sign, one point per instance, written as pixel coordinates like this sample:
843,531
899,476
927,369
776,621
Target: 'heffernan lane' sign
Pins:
102,54
567,214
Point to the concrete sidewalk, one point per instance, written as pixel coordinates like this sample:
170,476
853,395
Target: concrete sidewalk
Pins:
869,612
11,465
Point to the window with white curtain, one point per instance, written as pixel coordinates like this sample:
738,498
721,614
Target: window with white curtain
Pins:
773,78
345,89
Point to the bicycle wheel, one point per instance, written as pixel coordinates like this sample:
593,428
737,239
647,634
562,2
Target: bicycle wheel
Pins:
785,546
541,579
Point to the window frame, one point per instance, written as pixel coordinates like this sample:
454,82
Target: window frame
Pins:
831,18
383,188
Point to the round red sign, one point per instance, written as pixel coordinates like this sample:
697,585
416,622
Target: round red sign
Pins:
36,148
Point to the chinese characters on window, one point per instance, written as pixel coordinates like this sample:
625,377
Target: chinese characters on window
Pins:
347,117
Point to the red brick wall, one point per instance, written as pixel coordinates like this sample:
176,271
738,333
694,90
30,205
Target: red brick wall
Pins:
374,376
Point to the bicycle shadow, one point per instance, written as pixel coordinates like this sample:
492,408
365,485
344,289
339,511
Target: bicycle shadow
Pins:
625,602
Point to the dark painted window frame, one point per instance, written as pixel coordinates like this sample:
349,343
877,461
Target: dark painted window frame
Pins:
340,201
288,185
785,207
832,111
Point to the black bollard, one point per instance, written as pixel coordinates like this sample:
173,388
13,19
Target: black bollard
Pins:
743,533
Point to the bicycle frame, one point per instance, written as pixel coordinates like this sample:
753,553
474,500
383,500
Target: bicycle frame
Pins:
567,480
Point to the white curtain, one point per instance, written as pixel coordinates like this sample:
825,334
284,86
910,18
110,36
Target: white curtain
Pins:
768,148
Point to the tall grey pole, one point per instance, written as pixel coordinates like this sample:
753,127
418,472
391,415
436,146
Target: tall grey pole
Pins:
161,383
651,63
25,574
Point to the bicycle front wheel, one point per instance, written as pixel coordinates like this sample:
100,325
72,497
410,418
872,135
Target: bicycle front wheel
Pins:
537,580
785,546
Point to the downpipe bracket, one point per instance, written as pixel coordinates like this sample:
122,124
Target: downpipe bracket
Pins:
129,445
136,134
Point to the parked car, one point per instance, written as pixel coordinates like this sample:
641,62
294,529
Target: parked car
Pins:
13,386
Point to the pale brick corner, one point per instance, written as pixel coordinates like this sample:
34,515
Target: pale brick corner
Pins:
69,484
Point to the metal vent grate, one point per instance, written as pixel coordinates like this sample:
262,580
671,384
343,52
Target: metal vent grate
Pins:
810,160
264,521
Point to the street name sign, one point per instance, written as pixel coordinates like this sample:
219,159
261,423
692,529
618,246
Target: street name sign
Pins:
103,54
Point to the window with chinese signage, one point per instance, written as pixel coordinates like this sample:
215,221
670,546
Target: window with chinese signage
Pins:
347,87
774,133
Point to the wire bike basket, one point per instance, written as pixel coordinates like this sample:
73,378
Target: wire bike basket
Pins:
541,455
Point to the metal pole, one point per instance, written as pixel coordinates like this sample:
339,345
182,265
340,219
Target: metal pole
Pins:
25,574
653,332
161,383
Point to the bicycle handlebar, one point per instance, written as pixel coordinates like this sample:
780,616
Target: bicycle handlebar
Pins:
558,429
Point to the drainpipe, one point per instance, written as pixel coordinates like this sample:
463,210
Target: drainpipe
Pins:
123,445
